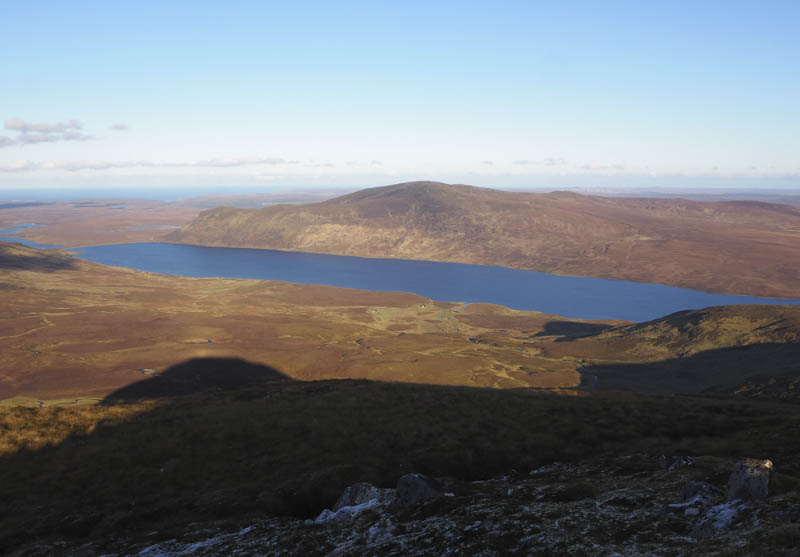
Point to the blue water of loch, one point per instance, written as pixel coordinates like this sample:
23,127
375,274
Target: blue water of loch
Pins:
576,297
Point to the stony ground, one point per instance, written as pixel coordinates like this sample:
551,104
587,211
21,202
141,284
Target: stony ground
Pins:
629,505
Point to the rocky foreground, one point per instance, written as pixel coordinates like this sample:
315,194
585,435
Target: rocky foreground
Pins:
629,505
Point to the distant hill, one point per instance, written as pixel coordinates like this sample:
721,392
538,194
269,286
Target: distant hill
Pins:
734,247
751,351
19,257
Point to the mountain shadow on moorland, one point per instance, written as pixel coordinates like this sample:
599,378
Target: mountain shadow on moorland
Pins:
719,349
203,447
195,376
743,371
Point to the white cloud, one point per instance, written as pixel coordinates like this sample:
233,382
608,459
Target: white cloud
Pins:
76,136
119,127
6,141
31,133
233,161
18,166
592,166
27,138
20,125
74,166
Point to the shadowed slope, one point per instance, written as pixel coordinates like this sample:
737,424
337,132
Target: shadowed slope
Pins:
746,370
688,332
198,375
19,257
736,247
290,447
721,348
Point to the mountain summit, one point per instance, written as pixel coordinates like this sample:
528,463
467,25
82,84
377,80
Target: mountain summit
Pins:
678,242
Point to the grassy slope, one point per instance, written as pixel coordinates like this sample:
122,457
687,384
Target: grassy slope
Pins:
291,447
719,348
740,247
243,440
74,329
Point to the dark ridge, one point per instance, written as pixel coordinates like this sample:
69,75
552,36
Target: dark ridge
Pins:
726,370
21,204
570,330
405,188
17,256
197,376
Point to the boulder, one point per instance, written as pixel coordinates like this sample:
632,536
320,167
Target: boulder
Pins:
675,463
363,492
415,488
355,500
722,517
749,481
384,529
695,496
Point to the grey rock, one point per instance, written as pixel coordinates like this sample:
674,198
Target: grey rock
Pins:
749,481
381,531
415,488
720,518
363,492
345,514
676,462
692,489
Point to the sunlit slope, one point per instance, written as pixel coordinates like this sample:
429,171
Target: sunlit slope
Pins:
725,349
737,247
71,330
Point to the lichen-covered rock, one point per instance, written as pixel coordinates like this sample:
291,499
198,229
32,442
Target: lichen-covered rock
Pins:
639,509
381,531
676,462
720,518
363,492
695,497
344,514
749,481
355,500
415,488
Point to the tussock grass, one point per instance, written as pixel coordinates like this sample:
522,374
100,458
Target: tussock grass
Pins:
291,447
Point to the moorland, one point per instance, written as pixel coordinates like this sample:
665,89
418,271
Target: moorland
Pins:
76,329
138,408
678,242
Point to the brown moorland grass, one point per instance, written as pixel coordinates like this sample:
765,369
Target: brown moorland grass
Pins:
288,447
73,329
734,247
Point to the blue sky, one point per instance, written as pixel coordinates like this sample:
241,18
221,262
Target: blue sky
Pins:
261,95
